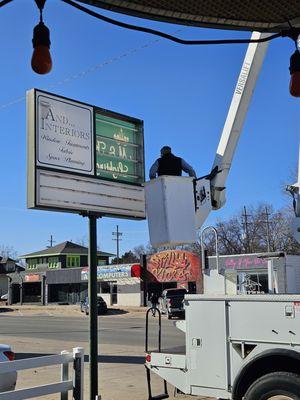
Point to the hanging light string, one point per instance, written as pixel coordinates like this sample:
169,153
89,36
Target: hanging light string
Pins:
289,32
174,38
4,2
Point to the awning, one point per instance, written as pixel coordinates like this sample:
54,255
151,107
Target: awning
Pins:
260,15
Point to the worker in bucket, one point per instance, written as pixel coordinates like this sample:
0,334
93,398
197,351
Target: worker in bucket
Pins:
168,164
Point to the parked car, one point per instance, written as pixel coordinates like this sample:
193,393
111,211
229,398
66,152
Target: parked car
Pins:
8,380
4,297
171,302
101,305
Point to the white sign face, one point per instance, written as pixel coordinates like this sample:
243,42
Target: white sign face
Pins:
62,155
64,134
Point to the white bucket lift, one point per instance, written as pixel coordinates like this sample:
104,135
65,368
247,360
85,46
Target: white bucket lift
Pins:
170,207
176,206
295,192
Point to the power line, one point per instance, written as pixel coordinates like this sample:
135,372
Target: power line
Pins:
89,70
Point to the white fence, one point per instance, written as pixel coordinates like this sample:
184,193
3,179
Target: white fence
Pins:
64,386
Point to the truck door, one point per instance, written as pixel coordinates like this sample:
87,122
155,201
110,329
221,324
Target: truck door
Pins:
207,343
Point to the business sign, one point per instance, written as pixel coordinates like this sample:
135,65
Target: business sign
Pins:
64,134
82,158
174,266
108,273
119,150
32,278
239,262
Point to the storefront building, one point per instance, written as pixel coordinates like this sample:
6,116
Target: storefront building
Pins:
257,273
119,285
173,269
52,275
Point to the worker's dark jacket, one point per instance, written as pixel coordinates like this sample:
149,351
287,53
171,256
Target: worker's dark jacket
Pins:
169,165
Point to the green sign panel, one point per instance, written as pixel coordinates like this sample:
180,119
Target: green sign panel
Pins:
119,149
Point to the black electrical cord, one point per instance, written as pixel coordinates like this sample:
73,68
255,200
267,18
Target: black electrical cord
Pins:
4,2
170,37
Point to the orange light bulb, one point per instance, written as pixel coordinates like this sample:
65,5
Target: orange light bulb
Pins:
295,74
295,84
41,61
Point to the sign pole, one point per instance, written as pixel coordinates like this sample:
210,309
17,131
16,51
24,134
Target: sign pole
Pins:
93,312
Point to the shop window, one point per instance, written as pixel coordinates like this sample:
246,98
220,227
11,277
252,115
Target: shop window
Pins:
252,283
73,261
32,263
101,262
53,262
105,287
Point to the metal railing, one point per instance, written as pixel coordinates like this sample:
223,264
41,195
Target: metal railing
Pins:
64,386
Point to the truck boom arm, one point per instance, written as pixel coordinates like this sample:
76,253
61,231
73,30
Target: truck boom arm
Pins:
295,192
236,116
210,191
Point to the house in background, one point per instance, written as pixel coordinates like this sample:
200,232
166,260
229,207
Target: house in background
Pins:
53,274
7,265
63,255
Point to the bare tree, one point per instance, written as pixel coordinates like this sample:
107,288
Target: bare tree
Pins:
266,228
142,249
8,251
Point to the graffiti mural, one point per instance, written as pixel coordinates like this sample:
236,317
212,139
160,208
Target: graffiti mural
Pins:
173,266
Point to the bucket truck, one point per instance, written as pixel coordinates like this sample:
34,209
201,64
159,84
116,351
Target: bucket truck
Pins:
178,206
237,347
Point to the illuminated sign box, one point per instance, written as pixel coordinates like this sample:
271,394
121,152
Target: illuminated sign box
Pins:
82,158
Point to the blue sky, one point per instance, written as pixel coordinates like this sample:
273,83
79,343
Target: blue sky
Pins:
182,93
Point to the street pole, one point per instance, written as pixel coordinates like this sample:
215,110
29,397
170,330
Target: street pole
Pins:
93,312
51,241
246,223
268,230
118,238
118,244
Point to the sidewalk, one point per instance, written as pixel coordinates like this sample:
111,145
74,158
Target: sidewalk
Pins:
121,373
65,310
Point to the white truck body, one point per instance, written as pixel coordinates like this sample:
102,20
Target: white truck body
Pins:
230,342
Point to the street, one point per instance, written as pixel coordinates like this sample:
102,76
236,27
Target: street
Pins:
121,338
112,329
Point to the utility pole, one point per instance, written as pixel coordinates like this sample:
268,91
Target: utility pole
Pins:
117,237
268,222
246,224
51,241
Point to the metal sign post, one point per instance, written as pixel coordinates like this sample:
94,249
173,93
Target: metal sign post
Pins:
93,312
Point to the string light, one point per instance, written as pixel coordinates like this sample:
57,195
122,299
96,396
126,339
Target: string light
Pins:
41,61
295,69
